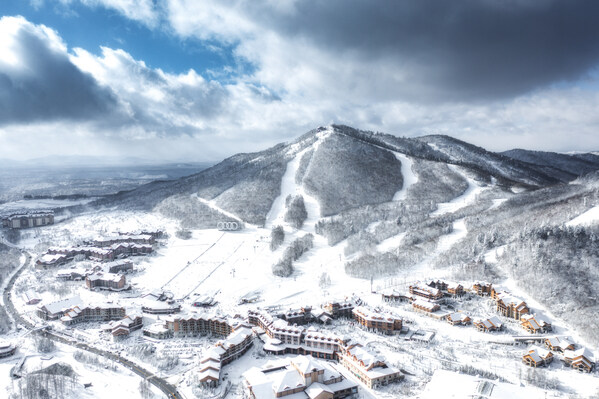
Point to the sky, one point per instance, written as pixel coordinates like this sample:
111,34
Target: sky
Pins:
200,80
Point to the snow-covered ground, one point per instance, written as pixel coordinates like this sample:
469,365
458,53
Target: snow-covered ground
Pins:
587,218
230,265
409,177
467,198
108,379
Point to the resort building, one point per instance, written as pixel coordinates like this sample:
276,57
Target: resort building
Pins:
510,306
482,289
119,266
534,326
559,344
339,309
458,318
537,357
55,310
81,314
488,325
122,328
298,377
581,359
106,281
426,292
151,306
368,367
157,331
26,220
420,305
383,322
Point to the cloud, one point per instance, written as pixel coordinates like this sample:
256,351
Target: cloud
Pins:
39,82
498,74
419,50
143,11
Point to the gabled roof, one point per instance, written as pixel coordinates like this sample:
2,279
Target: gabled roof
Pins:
307,364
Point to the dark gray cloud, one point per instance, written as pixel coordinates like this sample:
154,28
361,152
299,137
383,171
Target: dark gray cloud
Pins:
464,50
45,85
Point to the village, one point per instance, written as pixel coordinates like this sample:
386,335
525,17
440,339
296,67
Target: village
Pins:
321,349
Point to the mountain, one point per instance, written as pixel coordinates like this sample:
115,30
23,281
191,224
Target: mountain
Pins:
391,205
566,167
342,167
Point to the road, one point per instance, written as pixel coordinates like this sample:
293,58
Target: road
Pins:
168,389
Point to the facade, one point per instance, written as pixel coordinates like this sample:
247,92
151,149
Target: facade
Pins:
537,357
106,281
581,359
534,326
458,318
301,376
157,331
55,310
426,292
194,325
122,328
510,306
482,289
385,323
420,305
369,368
49,260
119,266
339,309
488,325
559,344
31,298
224,352
160,307
392,295
103,242
98,313
27,220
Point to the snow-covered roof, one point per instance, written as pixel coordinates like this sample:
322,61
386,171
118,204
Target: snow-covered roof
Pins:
62,305
425,304
307,364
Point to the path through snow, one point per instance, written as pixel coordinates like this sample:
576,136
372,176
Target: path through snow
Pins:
463,200
409,177
585,219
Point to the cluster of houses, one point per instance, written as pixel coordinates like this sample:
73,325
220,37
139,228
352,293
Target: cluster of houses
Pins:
101,249
238,333
427,298
282,338
28,219
580,359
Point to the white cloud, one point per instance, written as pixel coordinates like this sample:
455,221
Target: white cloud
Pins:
143,11
297,84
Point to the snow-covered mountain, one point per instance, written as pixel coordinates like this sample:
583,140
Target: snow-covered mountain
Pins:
391,203
343,168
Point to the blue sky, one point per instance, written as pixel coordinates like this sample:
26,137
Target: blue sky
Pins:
92,27
204,79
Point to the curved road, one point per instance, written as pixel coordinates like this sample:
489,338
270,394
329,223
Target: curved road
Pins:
169,390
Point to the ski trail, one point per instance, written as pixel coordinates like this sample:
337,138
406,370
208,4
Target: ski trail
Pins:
212,205
463,200
276,214
409,177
